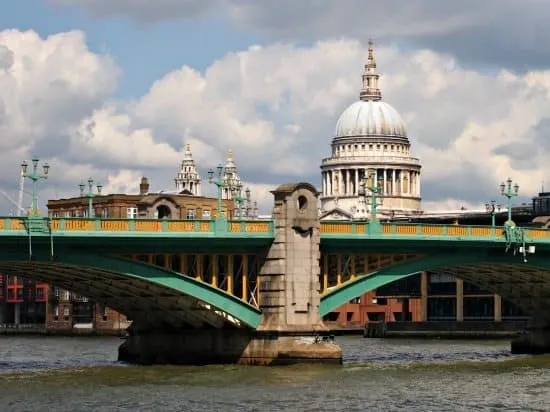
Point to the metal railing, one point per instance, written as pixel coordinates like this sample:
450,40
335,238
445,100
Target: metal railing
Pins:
419,230
371,159
69,224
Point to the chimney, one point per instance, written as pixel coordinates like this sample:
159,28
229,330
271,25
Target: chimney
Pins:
144,186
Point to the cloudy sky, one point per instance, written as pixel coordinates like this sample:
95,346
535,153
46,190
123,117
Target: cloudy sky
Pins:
114,89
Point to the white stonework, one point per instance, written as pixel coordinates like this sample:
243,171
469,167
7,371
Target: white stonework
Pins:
188,178
231,178
370,138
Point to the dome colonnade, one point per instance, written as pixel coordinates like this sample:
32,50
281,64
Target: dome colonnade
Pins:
371,139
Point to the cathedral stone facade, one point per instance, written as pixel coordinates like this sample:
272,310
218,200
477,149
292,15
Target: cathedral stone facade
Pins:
370,142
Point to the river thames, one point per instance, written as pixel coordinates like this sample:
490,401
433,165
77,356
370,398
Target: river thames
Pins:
81,374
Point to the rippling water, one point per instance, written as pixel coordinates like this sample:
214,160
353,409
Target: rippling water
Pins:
81,374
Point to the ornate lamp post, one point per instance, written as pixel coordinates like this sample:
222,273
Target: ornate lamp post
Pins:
34,176
90,195
251,210
371,185
491,208
219,182
236,194
509,191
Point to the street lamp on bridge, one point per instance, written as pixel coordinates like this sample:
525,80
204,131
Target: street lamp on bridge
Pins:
34,176
509,191
237,195
492,208
219,182
369,183
90,195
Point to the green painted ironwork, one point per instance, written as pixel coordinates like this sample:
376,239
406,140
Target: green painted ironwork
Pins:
362,284
35,176
90,195
509,192
151,274
237,195
220,184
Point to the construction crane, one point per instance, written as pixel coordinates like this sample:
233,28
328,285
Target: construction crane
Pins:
19,209
21,189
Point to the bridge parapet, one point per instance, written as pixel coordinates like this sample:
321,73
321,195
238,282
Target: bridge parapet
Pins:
337,229
116,227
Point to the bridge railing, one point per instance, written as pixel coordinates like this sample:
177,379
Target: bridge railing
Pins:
419,230
69,224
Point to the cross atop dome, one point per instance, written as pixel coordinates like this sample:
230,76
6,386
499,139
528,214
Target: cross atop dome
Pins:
370,89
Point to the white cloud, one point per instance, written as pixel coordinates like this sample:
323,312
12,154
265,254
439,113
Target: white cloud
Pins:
46,86
145,10
275,106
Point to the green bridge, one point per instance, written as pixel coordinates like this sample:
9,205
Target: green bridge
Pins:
255,291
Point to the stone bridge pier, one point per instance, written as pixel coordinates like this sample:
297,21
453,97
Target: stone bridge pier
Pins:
535,340
291,330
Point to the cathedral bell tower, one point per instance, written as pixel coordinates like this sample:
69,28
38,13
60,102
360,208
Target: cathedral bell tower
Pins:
188,178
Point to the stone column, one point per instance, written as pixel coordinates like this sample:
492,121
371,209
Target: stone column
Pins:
356,192
498,308
17,313
385,191
396,179
459,300
423,297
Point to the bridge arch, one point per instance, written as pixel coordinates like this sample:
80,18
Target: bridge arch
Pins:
136,289
526,284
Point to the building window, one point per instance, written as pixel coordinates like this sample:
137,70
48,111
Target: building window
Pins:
206,214
40,293
190,213
131,213
11,294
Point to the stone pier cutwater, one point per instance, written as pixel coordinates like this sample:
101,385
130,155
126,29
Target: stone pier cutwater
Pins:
291,330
